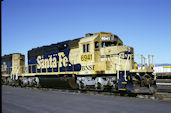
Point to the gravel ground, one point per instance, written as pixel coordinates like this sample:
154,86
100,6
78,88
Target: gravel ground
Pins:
21,100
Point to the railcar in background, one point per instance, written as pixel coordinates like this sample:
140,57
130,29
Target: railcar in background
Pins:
163,75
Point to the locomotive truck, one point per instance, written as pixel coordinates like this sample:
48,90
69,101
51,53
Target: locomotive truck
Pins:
97,61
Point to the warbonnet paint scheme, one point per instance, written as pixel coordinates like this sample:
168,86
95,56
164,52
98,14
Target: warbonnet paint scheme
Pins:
99,61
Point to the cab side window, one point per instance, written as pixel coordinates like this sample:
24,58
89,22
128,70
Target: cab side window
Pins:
86,48
96,44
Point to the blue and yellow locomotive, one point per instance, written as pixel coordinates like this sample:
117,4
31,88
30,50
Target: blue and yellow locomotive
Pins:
99,61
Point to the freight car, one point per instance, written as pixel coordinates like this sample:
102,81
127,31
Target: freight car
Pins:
98,60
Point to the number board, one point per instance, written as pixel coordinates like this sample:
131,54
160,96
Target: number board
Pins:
86,58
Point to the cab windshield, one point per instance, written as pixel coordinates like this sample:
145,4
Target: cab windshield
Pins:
108,44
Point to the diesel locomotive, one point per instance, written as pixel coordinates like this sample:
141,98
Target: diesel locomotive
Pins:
97,61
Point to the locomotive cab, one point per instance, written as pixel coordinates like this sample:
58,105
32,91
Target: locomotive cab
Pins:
112,52
104,53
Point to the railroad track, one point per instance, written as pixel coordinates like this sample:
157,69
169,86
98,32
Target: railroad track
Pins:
163,89
161,96
163,92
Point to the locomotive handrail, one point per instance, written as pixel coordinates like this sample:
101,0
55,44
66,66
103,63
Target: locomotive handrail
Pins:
116,67
125,68
17,73
31,67
11,76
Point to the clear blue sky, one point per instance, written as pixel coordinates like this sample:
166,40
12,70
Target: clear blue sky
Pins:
142,24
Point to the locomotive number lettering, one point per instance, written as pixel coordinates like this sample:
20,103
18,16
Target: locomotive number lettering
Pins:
105,38
86,58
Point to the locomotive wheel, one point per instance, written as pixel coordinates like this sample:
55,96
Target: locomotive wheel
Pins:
16,83
115,86
81,86
146,81
99,86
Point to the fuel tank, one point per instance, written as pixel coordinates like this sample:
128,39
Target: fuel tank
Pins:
58,82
